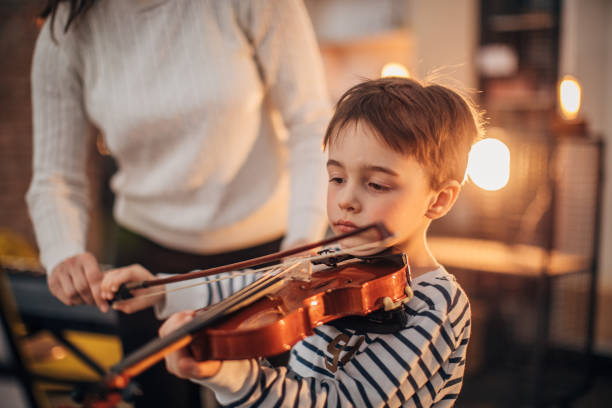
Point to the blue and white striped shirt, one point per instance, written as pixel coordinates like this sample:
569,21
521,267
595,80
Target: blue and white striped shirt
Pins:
420,365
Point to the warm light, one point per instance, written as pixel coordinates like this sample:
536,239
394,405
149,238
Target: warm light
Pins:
57,353
489,164
393,69
569,97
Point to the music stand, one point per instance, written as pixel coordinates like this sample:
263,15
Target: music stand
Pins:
16,383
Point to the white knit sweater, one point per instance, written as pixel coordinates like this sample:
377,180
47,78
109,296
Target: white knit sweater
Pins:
209,107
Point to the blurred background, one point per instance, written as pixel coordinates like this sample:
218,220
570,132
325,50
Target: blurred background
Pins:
530,238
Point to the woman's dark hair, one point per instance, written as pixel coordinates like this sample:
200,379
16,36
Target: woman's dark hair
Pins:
77,8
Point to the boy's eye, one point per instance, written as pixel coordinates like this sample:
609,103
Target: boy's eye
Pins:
336,180
378,187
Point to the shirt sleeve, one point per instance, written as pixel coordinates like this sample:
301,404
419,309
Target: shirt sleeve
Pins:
290,64
417,366
202,292
57,198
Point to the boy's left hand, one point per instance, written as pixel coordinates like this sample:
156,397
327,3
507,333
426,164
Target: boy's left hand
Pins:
181,363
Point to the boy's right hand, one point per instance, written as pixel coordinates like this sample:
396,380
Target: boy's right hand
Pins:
133,273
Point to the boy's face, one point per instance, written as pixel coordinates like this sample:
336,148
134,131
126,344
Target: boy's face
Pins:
370,182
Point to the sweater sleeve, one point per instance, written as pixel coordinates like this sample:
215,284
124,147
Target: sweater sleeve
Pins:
291,67
58,194
421,365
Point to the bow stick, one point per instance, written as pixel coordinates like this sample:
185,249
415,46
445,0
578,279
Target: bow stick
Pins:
124,291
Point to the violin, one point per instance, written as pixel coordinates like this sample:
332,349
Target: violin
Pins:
272,314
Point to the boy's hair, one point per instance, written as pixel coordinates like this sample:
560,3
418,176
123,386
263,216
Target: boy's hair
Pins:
432,123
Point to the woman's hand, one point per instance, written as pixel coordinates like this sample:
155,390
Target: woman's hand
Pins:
76,280
181,362
133,273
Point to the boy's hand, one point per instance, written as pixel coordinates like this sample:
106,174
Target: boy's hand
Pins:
181,363
76,280
133,273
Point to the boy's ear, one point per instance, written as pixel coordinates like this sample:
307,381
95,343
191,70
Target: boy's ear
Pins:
443,200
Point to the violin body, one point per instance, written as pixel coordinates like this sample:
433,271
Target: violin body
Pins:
267,317
273,324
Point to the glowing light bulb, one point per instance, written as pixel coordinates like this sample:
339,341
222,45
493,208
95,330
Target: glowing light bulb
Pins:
569,97
393,69
489,164
57,352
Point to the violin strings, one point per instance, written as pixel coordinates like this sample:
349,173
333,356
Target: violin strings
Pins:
293,263
267,270
263,271
248,293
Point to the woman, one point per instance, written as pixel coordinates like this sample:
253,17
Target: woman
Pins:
214,112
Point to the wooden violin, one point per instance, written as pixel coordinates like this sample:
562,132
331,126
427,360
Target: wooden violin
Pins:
271,315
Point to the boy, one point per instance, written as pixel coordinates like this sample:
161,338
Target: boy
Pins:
397,154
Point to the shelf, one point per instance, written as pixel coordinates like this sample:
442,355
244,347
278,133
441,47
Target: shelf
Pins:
501,258
521,22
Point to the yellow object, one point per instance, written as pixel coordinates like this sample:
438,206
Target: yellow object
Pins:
16,252
102,348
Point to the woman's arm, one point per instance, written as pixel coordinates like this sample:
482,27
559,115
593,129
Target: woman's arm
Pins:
292,71
58,195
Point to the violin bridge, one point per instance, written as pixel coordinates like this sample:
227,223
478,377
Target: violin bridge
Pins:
303,272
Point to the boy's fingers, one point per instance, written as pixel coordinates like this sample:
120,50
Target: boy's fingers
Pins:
181,362
187,367
108,282
174,361
122,307
114,278
175,321
131,305
207,368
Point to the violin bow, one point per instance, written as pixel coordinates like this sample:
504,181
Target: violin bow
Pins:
124,291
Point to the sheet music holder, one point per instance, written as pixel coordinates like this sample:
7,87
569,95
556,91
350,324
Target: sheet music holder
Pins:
16,383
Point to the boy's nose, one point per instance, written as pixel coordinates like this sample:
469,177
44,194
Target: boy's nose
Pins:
349,202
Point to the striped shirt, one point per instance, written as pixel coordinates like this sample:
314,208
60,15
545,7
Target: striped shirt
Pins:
420,365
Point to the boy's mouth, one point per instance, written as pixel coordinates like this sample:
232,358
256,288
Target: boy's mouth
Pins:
344,226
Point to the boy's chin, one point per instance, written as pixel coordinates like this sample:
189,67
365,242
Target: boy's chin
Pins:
356,248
